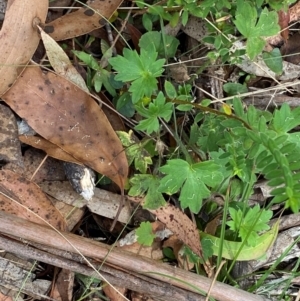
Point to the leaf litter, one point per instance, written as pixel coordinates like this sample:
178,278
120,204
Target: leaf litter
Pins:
68,120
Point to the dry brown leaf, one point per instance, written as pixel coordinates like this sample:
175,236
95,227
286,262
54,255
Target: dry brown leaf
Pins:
49,148
113,293
82,21
174,243
181,225
135,35
10,146
69,118
63,287
5,298
29,195
283,21
19,38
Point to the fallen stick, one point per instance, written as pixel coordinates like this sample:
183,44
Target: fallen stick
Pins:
73,262
12,225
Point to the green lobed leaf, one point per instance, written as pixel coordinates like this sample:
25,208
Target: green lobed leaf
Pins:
254,46
145,235
145,184
191,179
141,69
164,45
267,24
248,226
245,18
157,108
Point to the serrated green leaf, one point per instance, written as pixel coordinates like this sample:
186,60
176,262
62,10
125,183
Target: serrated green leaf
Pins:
141,70
245,18
147,185
254,46
157,108
267,24
145,235
191,179
248,226
285,120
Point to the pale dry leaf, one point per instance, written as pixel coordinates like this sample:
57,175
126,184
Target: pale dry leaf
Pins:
69,118
82,21
60,61
19,38
28,194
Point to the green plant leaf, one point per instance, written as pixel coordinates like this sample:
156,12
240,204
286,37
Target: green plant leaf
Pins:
254,46
164,45
234,88
135,151
273,60
170,90
87,59
285,120
124,105
157,108
141,70
146,184
247,24
248,226
145,235
191,179
238,250
245,18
